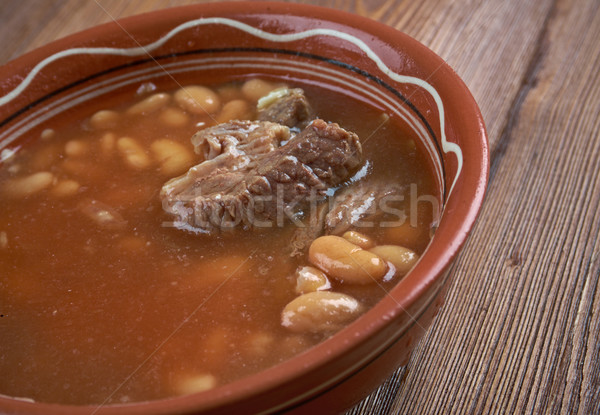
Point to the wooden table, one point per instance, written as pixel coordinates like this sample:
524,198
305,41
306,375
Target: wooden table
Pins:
520,331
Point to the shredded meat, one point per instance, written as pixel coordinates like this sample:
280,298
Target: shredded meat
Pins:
254,182
361,203
284,106
236,137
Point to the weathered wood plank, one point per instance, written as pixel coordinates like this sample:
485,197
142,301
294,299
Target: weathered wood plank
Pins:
519,333
18,29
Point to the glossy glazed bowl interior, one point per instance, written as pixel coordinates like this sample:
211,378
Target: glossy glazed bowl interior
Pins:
211,43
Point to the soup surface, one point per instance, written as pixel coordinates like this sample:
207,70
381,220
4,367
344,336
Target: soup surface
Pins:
105,299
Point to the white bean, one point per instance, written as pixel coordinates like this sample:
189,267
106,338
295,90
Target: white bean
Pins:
320,311
229,92
258,344
150,104
198,99
359,239
237,109
104,119
195,384
76,148
47,134
403,259
309,279
173,157
254,89
107,143
173,117
29,185
133,153
346,262
65,188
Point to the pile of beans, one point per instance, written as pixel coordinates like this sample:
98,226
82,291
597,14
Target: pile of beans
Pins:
196,104
352,258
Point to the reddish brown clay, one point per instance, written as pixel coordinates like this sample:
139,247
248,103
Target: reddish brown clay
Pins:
402,72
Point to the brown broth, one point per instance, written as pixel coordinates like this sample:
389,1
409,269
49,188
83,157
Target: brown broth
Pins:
131,311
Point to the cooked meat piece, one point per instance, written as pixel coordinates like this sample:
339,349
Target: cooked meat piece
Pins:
274,186
309,230
353,206
227,147
287,107
361,203
249,137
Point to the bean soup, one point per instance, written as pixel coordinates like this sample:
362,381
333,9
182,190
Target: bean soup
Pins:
112,291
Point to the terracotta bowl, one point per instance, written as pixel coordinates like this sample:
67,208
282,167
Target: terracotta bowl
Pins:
361,57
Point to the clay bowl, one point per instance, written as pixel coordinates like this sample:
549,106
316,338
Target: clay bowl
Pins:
349,53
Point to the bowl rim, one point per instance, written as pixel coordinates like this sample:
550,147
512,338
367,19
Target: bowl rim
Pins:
401,298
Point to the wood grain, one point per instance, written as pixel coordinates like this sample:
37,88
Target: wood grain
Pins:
520,331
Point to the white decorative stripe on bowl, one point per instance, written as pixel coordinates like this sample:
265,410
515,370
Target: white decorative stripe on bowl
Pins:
447,147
